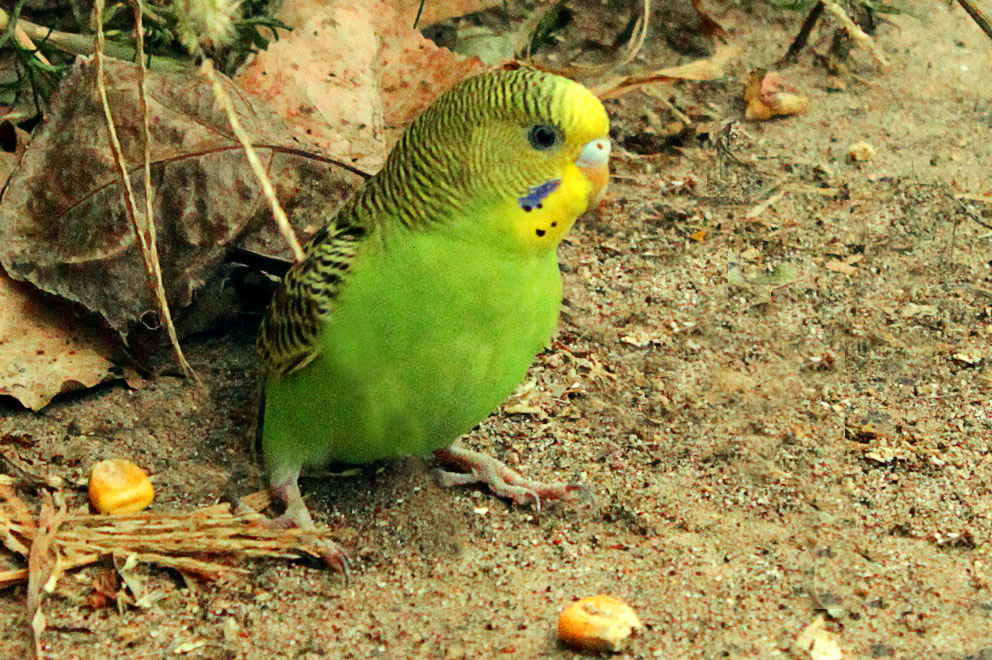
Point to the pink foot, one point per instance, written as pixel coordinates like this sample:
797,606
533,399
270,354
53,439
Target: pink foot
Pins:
297,516
475,467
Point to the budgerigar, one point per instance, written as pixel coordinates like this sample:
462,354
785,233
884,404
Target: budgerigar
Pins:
422,303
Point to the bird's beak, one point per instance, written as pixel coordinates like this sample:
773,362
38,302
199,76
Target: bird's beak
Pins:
594,161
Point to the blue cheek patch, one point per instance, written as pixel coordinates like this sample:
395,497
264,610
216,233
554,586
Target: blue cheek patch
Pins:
532,200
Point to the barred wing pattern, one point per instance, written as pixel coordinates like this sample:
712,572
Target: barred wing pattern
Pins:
287,340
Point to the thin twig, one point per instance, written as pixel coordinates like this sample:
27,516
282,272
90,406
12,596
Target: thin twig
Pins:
146,235
318,157
855,31
278,214
960,201
637,42
420,11
978,15
145,128
256,165
633,46
803,37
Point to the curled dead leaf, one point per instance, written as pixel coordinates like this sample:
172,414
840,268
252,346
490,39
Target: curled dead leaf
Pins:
64,228
44,350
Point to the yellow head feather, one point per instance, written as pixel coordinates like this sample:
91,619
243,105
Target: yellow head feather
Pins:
506,142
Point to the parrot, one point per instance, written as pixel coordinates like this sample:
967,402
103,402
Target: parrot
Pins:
421,304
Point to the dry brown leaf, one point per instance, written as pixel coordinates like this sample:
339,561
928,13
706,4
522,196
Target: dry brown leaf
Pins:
710,68
435,12
63,226
297,13
709,25
360,74
845,267
45,351
413,72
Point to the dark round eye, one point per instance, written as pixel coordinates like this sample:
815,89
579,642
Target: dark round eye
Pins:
543,136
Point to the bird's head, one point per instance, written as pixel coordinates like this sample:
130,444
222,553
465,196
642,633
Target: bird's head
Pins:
524,151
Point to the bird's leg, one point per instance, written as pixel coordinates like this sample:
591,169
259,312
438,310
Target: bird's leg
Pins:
475,467
297,516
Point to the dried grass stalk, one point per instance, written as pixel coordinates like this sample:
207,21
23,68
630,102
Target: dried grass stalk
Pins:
256,165
205,542
44,565
630,49
146,234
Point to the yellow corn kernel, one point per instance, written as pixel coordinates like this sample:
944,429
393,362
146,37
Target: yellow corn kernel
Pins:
597,623
118,486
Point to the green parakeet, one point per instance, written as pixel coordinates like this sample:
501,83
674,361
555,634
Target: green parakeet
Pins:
422,303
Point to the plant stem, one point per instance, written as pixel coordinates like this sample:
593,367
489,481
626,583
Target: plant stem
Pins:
79,44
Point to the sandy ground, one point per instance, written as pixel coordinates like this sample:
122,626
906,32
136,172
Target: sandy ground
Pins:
789,418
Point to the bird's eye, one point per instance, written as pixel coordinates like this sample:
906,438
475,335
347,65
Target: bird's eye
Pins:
543,136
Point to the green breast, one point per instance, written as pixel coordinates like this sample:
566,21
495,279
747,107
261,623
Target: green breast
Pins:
431,332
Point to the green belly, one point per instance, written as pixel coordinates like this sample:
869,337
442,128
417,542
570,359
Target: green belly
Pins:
428,337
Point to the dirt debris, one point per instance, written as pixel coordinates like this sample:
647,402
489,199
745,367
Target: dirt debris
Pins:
806,440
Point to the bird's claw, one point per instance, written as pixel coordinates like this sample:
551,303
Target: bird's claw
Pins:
334,556
503,481
297,516
327,550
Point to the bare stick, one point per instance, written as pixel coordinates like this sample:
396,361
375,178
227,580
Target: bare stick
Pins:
145,129
207,69
44,564
146,235
978,15
803,37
